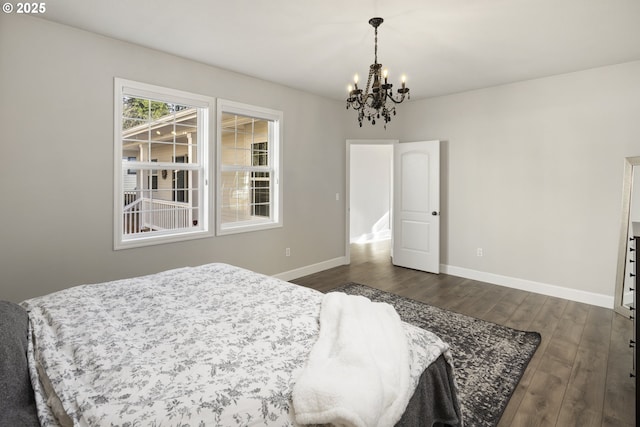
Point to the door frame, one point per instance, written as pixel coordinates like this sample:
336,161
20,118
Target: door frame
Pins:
347,192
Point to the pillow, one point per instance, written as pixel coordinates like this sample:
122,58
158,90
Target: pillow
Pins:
17,402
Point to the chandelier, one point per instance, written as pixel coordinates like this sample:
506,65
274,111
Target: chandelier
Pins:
372,103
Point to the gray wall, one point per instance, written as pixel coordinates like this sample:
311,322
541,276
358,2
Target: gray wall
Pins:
56,121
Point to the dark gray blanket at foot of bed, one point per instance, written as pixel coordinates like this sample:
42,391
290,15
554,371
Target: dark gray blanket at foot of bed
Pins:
436,385
17,404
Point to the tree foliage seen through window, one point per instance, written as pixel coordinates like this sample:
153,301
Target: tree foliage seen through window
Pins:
139,110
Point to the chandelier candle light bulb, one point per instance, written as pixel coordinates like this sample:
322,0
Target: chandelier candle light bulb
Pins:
372,104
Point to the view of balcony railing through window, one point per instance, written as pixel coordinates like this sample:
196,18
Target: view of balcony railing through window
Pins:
161,175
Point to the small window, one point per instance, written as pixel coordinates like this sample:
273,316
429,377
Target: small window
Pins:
249,168
161,172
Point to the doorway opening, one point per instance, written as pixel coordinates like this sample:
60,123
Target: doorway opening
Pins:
369,195
392,196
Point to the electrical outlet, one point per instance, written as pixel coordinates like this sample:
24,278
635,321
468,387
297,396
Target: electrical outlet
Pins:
479,252
287,252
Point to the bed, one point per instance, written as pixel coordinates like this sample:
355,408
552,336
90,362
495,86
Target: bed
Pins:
209,345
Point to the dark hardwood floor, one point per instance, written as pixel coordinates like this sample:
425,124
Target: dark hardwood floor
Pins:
579,375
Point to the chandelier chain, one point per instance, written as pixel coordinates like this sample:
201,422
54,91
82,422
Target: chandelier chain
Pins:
375,50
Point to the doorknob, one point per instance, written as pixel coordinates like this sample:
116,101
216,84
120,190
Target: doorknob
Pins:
434,213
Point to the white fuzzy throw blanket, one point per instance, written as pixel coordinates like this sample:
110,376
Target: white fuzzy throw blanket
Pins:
357,373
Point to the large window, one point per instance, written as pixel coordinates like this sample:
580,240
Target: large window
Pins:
249,168
161,165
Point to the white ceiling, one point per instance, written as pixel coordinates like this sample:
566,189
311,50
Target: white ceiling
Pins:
443,46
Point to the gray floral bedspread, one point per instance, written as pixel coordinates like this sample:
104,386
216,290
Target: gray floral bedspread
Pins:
214,345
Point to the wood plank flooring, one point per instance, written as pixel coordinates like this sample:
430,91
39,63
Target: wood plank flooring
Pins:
579,375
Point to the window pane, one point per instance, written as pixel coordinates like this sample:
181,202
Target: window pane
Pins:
158,123
235,196
186,153
260,154
239,136
234,156
134,127
161,151
245,195
162,133
161,200
260,193
134,109
185,134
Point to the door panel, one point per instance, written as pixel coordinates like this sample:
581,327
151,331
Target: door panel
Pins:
416,206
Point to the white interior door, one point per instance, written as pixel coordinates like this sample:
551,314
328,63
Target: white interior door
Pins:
416,205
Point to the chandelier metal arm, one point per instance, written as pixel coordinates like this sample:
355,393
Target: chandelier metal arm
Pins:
400,100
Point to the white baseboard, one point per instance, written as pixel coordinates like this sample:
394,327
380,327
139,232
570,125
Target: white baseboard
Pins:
310,269
591,298
531,286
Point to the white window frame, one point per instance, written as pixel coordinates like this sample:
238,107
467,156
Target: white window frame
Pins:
206,110
275,167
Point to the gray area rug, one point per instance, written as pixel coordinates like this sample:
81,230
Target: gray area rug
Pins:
489,359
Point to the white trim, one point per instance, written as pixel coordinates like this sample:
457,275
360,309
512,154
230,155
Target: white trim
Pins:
162,94
311,269
591,298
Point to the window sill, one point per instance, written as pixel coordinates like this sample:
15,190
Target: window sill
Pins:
153,240
246,227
